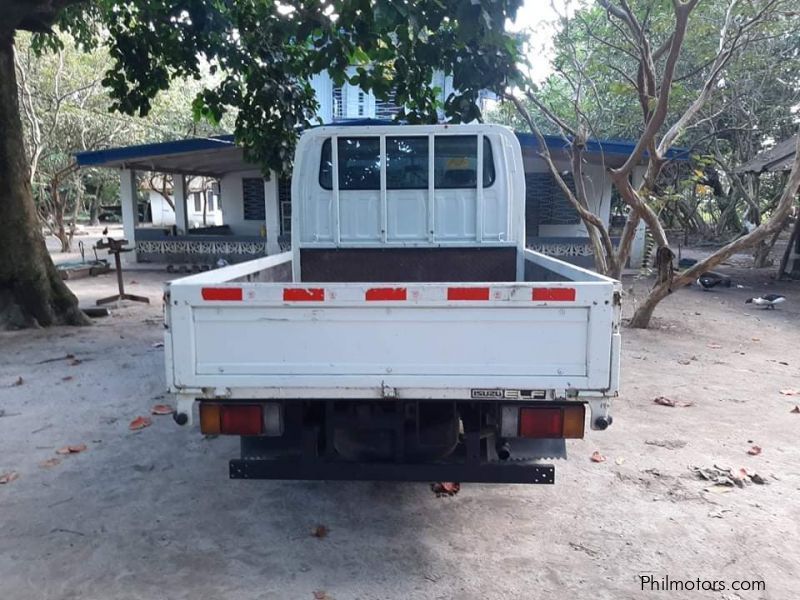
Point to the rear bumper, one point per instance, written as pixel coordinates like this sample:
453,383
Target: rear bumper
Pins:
353,471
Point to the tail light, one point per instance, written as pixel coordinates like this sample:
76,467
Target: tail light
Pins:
540,422
231,419
544,421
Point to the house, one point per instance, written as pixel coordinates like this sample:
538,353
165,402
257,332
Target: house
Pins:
255,210
202,196
248,214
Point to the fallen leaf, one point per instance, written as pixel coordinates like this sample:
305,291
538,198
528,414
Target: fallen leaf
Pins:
67,378
445,488
72,449
714,346
75,362
133,282
758,479
158,345
795,410
140,423
18,382
755,339
664,401
320,595
320,531
620,460
597,457
162,409
50,462
8,477
790,392
754,451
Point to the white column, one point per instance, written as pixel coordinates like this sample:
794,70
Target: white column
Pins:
130,211
272,220
179,197
638,246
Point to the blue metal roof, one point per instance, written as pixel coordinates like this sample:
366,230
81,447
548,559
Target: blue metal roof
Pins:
159,149
611,147
124,153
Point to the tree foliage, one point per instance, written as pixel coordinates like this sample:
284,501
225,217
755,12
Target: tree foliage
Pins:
264,53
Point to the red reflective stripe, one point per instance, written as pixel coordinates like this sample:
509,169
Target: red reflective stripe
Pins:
554,294
303,294
377,294
225,294
469,293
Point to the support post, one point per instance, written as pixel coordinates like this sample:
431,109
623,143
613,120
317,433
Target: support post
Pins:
272,221
181,219
130,209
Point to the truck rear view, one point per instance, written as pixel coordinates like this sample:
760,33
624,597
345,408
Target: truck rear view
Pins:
409,334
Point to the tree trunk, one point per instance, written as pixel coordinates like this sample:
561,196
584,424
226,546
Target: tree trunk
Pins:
31,290
764,249
776,222
641,318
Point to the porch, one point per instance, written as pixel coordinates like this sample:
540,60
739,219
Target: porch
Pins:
235,215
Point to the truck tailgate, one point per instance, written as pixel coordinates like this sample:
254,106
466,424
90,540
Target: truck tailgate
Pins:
358,340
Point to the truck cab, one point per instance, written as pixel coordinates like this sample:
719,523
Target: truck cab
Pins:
409,334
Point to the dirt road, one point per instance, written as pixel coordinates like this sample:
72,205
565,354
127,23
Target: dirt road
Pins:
151,514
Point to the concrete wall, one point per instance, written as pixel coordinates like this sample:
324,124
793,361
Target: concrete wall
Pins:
233,204
598,192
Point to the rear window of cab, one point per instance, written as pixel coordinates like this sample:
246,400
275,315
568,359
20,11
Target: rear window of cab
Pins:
455,160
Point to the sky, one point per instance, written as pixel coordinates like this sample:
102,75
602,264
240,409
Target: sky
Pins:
539,17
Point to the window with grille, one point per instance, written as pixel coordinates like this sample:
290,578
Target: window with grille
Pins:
545,202
197,198
253,199
285,204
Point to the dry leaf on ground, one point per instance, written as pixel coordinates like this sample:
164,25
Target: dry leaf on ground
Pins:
18,382
795,410
75,362
162,409
50,462
664,401
158,344
8,477
790,392
140,423
320,595
754,451
72,449
714,346
67,378
597,457
445,488
320,531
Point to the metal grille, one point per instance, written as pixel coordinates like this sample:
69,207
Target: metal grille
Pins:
285,205
546,204
253,199
338,108
386,109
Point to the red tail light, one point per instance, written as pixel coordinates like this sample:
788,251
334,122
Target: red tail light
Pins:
540,422
236,419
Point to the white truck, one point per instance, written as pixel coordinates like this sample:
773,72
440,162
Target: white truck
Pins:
409,334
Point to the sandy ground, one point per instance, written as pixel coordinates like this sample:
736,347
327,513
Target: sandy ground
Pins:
151,514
